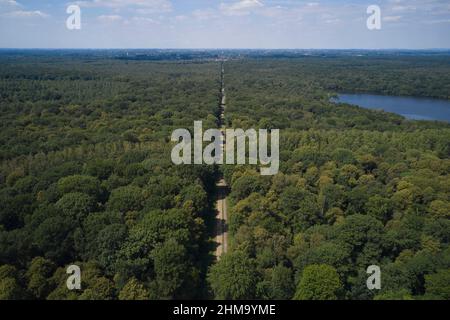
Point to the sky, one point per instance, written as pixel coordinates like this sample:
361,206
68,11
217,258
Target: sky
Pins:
267,24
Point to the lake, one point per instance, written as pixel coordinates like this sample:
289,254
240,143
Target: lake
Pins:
410,107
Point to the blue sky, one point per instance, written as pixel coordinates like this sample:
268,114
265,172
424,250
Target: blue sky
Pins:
411,24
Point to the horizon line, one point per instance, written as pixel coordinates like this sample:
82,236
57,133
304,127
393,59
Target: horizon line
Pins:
218,49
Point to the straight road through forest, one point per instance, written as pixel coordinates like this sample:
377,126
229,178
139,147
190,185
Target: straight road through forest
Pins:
221,185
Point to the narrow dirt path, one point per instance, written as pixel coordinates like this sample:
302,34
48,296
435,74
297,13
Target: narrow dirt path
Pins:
221,219
221,185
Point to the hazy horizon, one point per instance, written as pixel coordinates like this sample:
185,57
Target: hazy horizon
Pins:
228,49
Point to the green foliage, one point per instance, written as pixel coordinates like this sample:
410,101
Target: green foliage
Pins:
438,284
170,268
101,169
125,199
76,205
343,156
134,290
54,238
279,284
318,282
79,184
10,289
440,209
9,286
100,289
391,295
233,277
38,274
247,184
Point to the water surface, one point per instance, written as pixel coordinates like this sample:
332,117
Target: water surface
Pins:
410,107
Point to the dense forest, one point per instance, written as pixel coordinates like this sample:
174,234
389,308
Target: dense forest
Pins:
357,187
86,178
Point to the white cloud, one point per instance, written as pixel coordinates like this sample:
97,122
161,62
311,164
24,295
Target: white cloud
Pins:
403,8
13,9
181,17
277,12
145,6
137,20
392,18
204,14
144,20
109,18
437,21
240,8
332,21
26,14
423,6
9,3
